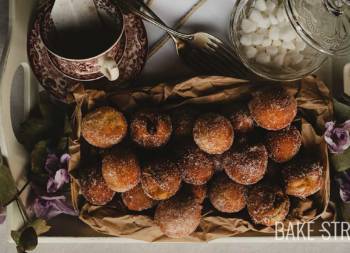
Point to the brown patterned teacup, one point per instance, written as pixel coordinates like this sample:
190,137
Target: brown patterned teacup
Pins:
87,55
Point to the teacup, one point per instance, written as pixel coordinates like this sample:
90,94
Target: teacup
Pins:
87,56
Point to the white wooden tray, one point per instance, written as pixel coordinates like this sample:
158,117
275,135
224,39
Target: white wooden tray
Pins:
212,17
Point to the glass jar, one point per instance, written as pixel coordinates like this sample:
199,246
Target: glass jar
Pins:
285,40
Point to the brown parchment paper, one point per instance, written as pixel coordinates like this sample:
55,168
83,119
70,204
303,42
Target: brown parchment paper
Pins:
314,109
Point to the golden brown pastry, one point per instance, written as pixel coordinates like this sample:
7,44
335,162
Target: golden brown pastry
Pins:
284,144
213,133
246,165
302,177
136,199
179,216
226,195
267,204
94,187
273,108
241,120
104,127
161,178
197,166
121,170
151,129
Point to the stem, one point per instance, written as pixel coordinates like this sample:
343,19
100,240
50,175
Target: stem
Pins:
18,193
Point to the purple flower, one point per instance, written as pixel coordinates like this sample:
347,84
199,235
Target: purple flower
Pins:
55,183
58,167
52,163
337,137
64,159
49,207
2,214
344,186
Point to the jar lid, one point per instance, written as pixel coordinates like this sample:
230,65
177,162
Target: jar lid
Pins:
323,24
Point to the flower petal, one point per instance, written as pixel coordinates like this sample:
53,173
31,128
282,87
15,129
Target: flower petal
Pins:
61,178
64,159
346,125
51,207
52,163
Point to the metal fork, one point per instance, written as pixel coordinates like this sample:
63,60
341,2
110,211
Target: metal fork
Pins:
201,51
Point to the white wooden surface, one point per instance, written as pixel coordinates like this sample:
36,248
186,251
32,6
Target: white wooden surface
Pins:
161,66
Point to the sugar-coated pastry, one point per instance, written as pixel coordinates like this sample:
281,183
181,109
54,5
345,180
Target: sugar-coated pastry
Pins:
137,200
161,178
284,144
213,133
94,187
267,204
183,121
196,165
104,127
302,177
179,216
273,108
121,169
241,120
226,195
151,129
246,165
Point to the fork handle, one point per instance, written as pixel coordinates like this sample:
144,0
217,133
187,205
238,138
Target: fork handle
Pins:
153,18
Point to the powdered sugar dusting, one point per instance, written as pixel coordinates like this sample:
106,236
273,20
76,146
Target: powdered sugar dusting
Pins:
213,133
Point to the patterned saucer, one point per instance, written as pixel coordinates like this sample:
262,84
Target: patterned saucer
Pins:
58,85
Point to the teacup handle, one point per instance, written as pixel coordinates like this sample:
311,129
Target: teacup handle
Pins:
109,68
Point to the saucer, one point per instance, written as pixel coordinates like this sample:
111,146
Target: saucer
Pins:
59,85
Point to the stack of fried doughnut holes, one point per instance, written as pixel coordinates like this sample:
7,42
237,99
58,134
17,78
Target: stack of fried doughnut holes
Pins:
217,165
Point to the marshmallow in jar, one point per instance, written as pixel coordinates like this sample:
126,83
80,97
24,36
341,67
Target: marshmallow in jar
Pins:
266,39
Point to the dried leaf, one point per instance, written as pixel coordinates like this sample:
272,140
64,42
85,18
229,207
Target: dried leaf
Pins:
38,156
8,189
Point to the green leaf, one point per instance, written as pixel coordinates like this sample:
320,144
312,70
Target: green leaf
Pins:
341,162
8,189
62,145
342,111
32,131
15,235
40,226
38,156
28,239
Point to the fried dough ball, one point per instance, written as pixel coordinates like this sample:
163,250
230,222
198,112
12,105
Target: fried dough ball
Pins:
136,199
273,108
161,178
104,127
267,204
94,187
183,121
197,166
121,170
226,195
213,133
302,177
284,144
179,216
246,165
150,129
241,120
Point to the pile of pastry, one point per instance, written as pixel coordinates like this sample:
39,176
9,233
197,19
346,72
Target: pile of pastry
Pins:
246,155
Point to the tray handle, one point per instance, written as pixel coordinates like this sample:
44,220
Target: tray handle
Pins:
15,56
